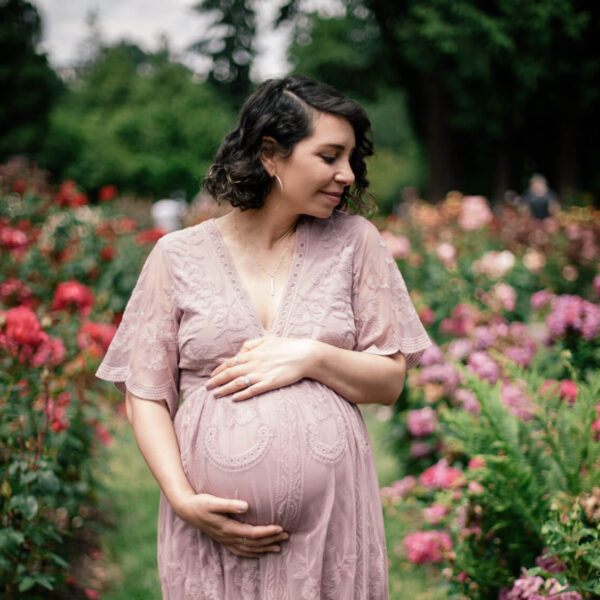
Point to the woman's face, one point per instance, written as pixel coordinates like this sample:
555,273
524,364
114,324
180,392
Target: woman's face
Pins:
315,174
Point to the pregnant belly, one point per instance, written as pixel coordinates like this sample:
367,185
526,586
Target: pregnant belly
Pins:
287,453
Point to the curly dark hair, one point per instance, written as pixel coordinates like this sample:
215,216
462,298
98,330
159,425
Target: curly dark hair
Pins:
283,110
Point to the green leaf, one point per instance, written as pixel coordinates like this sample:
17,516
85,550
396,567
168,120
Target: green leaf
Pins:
49,482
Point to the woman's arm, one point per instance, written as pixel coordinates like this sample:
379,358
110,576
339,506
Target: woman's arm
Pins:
156,439
272,362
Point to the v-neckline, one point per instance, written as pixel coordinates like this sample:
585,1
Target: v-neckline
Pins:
237,284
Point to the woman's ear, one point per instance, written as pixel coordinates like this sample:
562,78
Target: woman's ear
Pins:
269,155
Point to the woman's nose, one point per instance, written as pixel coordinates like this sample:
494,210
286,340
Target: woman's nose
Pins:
345,175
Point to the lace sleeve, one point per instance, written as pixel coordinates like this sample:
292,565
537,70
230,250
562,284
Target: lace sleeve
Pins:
143,356
386,320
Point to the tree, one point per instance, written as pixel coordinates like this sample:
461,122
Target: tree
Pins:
496,89
229,42
29,85
137,120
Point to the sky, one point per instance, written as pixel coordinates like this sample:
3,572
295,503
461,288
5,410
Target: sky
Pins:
144,22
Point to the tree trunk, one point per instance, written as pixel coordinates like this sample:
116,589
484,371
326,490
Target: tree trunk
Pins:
567,168
440,161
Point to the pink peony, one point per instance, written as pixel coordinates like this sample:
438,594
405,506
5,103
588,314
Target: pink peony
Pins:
596,285
474,213
462,320
435,513
528,587
482,365
440,476
568,390
422,422
467,400
399,488
495,264
447,254
432,355
572,313
505,295
444,373
420,449
477,462
540,299
552,564
460,349
427,546
398,245
517,402
520,355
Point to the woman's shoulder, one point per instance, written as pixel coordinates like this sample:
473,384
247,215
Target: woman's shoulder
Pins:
346,226
188,237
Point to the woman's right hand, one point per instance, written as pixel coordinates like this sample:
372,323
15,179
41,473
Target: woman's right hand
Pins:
211,515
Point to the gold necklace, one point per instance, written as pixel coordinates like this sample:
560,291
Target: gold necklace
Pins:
271,276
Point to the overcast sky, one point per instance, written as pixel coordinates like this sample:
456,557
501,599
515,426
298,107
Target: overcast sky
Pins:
143,22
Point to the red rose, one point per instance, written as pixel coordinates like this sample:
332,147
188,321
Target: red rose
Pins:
19,186
70,294
568,390
68,195
51,353
149,236
22,327
12,238
107,253
95,337
107,193
126,225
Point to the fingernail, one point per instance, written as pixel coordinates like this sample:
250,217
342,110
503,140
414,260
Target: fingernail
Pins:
277,549
285,536
278,530
242,507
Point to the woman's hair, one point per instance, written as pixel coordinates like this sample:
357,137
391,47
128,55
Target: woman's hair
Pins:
283,109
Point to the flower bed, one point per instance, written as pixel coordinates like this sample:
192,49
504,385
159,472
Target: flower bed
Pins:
498,433
67,271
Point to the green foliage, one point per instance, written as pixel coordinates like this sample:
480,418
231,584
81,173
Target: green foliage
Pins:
137,121
29,86
51,408
528,467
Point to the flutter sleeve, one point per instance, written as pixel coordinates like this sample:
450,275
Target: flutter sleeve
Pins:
143,356
385,318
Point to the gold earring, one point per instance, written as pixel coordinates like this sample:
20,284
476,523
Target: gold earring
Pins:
279,182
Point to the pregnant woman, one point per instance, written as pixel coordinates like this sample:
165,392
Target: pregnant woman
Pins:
246,346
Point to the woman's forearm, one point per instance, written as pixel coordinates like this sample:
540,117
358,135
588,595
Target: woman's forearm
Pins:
156,439
359,377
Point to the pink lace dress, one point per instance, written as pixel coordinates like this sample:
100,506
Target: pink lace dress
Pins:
300,455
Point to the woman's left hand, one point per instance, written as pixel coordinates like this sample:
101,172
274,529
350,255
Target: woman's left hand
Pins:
261,365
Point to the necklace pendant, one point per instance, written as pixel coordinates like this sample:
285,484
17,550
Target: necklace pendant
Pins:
272,287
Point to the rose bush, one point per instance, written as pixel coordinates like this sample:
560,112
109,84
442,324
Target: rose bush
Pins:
68,268
498,430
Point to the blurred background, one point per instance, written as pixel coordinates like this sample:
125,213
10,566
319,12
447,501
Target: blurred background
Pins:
463,95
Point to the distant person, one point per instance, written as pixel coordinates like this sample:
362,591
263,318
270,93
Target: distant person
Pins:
541,201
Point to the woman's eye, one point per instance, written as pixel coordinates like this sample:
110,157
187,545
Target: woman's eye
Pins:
328,159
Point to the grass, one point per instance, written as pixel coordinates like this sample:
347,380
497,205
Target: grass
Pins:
132,497
130,547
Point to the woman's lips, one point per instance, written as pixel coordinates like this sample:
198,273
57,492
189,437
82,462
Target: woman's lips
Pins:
333,196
